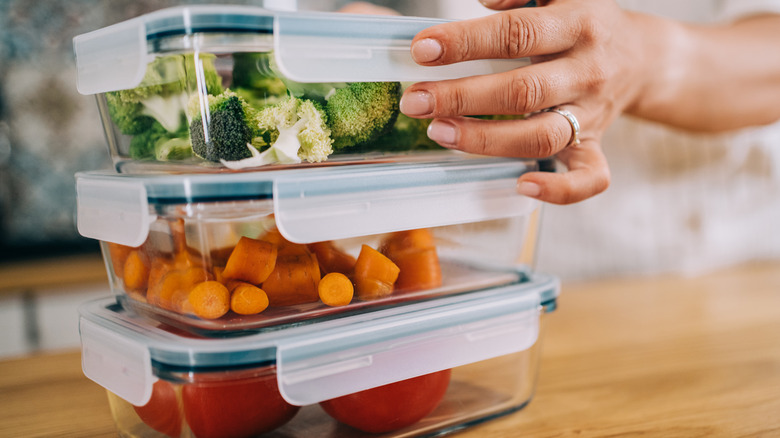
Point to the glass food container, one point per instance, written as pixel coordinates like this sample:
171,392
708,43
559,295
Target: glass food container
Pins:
226,88
218,253
425,369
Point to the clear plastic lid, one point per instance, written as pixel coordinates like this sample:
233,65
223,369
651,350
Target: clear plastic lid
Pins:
315,204
342,47
332,358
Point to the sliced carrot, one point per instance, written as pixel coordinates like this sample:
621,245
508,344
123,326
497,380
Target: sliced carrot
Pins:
252,261
294,280
335,289
163,292
219,256
414,252
159,269
273,236
331,258
174,288
248,299
209,299
420,270
401,241
375,274
191,277
290,248
173,276
118,254
136,271
283,245
219,274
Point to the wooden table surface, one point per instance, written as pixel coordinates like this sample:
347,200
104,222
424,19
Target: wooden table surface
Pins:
666,357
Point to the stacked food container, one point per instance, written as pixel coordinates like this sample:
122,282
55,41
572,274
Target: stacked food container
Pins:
289,255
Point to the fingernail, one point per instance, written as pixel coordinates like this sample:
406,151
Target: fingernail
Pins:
444,133
426,50
490,3
416,103
529,189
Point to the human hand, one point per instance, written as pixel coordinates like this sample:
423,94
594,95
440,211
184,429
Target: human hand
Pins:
588,58
367,9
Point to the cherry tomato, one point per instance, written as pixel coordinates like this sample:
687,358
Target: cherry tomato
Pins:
162,412
235,407
390,407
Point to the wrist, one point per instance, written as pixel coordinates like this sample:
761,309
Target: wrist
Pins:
666,50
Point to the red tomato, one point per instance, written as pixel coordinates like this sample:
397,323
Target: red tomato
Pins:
162,412
390,407
235,408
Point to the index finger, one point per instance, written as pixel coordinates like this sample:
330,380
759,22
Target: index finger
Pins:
511,34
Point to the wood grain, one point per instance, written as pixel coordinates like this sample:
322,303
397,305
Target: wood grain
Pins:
666,357
48,396
52,273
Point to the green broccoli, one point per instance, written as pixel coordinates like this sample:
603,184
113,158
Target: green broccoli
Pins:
173,149
361,112
296,129
230,127
159,144
127,117
406,134
142,144
254,81
162,95
258,71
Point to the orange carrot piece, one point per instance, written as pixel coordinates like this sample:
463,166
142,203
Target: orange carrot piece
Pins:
209,299
191,277
172,277
415,254
283,245
335,289
375,274
252,261
248,299
159,269
136,271
420,270
174,288
401,241
118,254
290,248
163,292
219,274
219,256
294,280
274,237
331,258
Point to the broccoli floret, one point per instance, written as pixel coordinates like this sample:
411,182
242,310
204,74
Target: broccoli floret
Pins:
163,93
406,134
296,129
142,144
127,116
175,149
361,112
254,80
259,72
160,144
229,127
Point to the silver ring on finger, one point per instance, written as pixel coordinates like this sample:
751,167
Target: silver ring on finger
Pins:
575,125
